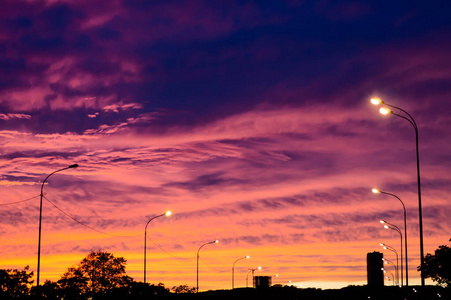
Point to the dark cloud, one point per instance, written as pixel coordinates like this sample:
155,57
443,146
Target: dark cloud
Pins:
272,44
215,180
24,154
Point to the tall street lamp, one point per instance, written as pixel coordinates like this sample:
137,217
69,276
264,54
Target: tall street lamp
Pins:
387,247
410,119
168,213
376,191
197,276
40,218
388,225
233,269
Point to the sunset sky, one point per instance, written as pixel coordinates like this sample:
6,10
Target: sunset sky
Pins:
249,120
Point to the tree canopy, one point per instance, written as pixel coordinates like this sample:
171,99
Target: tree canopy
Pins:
438,266
15,283
99,273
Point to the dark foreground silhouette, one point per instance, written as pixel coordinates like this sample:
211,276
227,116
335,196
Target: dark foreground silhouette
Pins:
348,293
101,275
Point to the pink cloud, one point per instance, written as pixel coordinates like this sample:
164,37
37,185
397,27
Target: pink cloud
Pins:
260,179
10,116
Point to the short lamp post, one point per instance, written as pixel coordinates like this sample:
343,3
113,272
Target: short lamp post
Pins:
387,247
233,269
377,191
168,213
391,226
247,276
386,261
40,218
197,272
390,273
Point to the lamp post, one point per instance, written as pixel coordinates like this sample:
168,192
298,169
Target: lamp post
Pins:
251,270
390,273
376,191
410,119
40,218
168,213
233,269
387,247
197,276
388,225
386,261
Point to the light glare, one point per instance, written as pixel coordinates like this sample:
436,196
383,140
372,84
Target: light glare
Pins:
168,213
375,191
376,101
384,111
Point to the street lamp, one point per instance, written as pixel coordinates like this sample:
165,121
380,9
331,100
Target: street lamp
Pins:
376,191
410,119
390,273
387,247
167,214
388,225
251,270
233,269
40,218
197,277
386,261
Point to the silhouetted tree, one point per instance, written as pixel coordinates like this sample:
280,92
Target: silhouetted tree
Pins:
438,266
141,290
15,283
98,274
183,289
49,290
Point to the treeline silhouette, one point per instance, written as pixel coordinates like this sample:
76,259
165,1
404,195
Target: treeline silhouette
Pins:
101,275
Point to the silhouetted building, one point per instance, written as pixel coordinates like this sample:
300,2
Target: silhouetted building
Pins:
262,281
374,267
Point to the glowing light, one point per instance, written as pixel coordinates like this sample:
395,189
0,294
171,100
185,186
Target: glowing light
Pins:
248,257
382,221
217,241
168,213
375,191
376,101
384,111
386,226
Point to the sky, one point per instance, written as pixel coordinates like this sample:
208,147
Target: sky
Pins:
249,120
